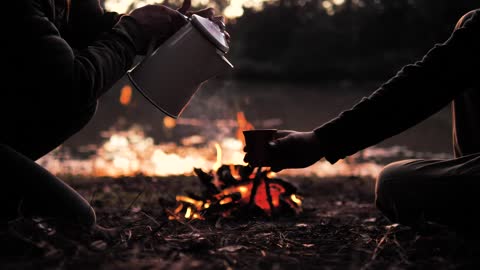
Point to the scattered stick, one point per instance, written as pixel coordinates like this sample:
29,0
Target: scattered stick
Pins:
134,201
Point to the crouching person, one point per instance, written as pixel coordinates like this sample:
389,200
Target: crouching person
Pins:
59,58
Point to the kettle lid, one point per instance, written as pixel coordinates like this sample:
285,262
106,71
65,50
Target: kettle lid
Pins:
211,31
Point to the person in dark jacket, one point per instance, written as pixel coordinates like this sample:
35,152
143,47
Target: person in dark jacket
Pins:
411,191
59,57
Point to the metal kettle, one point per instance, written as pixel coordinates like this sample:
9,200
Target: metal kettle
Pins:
171,75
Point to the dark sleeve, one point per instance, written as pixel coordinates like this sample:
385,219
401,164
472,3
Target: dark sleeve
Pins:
415,93
87,20
59,71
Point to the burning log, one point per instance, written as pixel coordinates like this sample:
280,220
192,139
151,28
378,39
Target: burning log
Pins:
236,190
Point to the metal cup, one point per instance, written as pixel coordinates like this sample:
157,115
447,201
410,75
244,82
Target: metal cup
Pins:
257,144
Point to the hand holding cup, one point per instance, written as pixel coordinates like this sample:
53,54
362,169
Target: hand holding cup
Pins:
283,149
256,146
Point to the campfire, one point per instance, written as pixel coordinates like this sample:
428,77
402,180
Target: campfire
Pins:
236,190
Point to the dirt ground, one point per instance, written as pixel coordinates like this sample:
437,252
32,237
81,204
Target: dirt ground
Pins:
339,229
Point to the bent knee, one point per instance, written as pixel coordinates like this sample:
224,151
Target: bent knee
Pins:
393,172
90,217
389,186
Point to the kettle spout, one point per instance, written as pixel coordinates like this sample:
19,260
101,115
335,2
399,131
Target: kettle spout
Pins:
221,65
227,63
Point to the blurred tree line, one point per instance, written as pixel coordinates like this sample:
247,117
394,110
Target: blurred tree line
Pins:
336,39
358,40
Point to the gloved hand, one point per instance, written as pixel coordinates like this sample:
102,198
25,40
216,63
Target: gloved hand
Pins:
160,22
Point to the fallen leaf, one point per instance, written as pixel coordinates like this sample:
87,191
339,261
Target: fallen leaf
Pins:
392,226
98,245
369,220
234,248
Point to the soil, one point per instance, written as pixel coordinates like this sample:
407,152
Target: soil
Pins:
338,229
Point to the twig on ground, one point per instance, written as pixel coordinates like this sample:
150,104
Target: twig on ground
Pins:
134,201
150,217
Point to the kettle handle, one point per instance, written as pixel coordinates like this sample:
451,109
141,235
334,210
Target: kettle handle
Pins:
151,48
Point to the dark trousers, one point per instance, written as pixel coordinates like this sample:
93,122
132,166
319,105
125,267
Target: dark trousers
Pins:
27,188
443,191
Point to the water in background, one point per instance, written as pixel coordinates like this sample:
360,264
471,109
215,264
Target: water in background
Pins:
212,118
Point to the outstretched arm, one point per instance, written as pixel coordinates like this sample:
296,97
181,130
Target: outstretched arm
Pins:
415,93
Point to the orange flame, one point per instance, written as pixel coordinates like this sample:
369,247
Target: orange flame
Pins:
235,173
198,204
188,214
252,189
243,125
296,200
218,163
126,95
226,200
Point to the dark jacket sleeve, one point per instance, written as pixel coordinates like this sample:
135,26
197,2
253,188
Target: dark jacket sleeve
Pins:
80,34
86,21
415,93
53,70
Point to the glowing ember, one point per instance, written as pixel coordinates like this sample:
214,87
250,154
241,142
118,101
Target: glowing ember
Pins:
169,122
226,200
126,95
235,190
